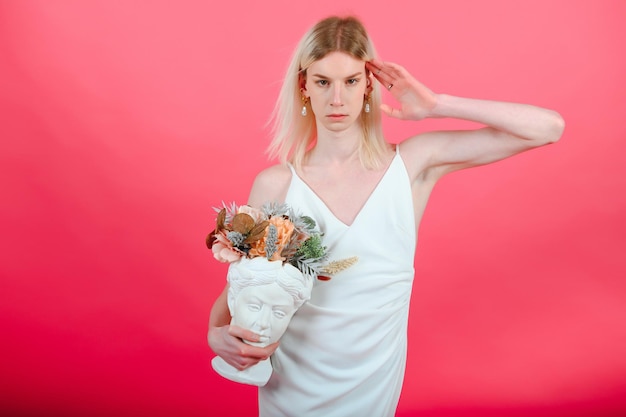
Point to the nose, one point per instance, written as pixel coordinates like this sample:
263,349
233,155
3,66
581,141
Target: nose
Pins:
263,319
337,90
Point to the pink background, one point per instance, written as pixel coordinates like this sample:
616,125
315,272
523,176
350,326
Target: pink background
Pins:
124,123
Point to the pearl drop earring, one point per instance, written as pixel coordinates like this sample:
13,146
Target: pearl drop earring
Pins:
305,100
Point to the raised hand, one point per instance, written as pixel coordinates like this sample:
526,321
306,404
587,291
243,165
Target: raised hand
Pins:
416,100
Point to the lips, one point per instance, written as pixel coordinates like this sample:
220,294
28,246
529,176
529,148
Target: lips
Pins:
337,116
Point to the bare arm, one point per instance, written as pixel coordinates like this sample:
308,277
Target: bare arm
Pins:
220,315
511,128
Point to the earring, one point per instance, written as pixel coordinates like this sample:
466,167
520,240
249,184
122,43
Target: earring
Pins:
305,100
367,103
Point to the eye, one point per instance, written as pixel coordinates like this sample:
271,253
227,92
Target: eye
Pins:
322,83
254,307
352,81
279,314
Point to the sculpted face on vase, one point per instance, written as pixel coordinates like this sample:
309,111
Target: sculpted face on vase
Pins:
264,309
264,295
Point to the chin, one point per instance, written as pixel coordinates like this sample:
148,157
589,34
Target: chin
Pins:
258,344
338,126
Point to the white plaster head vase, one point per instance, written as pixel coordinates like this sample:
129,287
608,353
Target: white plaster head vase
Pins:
263,295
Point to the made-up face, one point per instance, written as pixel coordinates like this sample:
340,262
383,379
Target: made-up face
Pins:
336,86
264,309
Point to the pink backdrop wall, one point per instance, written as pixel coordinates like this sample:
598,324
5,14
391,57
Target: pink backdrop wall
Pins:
123,123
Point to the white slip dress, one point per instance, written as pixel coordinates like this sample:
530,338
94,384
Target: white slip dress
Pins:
344,352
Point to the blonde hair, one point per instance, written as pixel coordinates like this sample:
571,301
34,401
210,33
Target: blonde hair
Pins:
293,134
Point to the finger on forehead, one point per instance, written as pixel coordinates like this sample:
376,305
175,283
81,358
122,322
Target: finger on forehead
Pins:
374,64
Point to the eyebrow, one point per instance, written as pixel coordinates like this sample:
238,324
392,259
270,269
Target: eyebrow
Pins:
346,78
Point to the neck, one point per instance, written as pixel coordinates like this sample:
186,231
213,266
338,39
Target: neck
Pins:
336,147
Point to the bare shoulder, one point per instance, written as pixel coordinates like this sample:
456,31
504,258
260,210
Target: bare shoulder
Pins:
271,184
273,176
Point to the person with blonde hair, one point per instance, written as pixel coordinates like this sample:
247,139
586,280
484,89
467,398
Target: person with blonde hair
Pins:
344,351
294,132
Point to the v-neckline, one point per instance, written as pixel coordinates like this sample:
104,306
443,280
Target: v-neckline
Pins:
363,206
